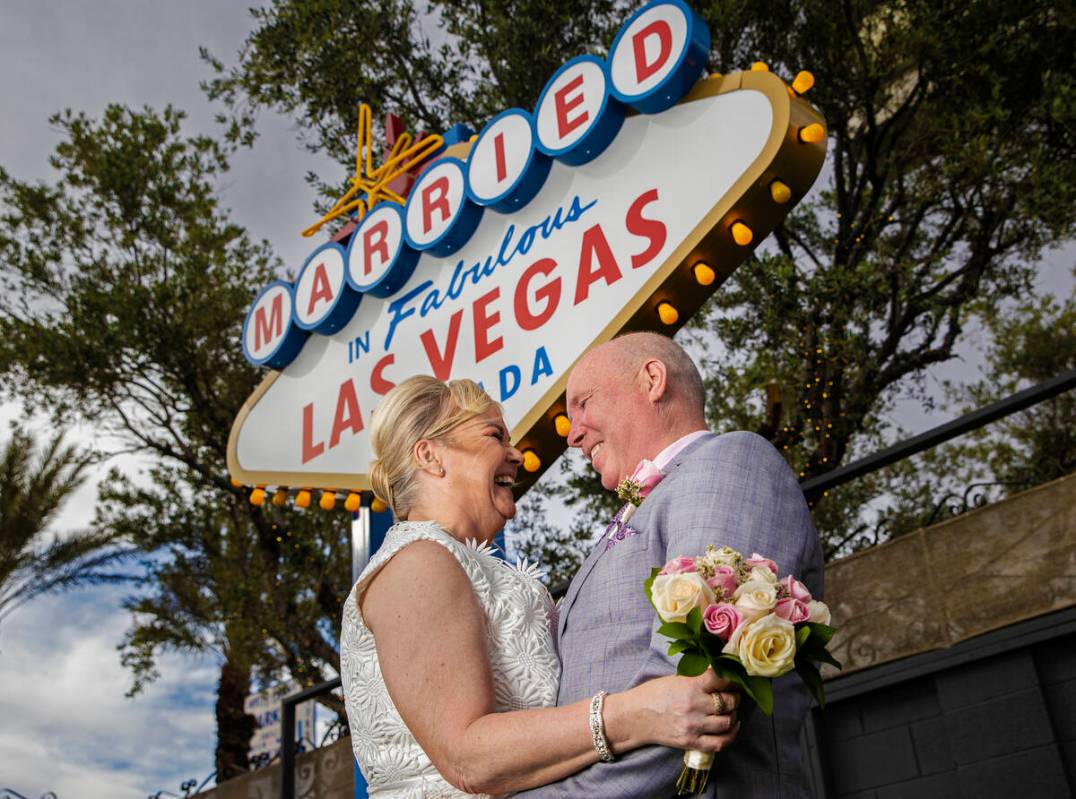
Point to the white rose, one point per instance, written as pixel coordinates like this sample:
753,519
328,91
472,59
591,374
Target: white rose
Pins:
767,648
763,574
725,556
819,612
675,595
755,598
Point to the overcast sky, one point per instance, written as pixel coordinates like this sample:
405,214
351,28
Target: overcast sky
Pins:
65,724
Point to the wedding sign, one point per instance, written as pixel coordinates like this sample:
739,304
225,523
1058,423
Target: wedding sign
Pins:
620,202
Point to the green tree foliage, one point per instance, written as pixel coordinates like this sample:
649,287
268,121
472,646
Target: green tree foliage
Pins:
35,482
950,168
124,290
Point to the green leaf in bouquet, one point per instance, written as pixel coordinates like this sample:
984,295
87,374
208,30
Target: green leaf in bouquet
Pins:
802,634
694,620
692,664
823,632
676,647
677,630
823,656
812,679
712,645
761,690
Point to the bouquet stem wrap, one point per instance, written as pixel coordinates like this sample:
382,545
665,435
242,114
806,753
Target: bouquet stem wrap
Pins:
695,773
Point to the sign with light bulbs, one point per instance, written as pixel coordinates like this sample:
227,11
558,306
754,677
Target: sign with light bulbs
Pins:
620,202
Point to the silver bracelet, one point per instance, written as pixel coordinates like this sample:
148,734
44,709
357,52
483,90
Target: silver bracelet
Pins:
597,731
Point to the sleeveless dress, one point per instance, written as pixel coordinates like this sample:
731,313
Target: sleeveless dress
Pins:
521,622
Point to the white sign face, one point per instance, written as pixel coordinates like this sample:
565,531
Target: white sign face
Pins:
499,157
265,331
571,105
530,292
436,202
375,248
649,49
265,707
319,286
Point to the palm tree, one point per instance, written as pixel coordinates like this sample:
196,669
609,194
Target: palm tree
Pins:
33,487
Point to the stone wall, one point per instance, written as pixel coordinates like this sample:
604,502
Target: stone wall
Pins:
986,569
325,773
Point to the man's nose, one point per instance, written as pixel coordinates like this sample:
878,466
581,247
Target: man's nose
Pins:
575,435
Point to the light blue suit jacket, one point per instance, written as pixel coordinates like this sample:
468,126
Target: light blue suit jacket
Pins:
734,490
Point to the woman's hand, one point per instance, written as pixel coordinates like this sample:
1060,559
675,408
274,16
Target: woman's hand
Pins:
679,712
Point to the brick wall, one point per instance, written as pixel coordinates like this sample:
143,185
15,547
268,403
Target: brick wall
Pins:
993,717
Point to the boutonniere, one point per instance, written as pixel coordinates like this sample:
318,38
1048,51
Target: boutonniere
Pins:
634,489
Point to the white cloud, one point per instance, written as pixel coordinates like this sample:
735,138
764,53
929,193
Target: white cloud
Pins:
67,725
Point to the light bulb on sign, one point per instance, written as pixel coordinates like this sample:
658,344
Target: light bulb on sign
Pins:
531,461
353,502
563,425
328,500
257,497
803,82
302,499
667,313
760,66
812,134
377,506
742,234
280,497
704,274
780,192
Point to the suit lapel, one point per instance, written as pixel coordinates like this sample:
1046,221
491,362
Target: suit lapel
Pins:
582,574
600,545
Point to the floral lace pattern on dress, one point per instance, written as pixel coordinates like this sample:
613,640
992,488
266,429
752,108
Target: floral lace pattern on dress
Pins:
521,620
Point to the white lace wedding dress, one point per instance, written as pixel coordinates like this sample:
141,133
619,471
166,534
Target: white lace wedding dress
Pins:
521,622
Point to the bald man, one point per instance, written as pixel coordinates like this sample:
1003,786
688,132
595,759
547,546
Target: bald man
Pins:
641,397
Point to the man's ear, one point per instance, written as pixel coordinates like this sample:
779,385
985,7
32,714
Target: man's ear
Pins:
654,379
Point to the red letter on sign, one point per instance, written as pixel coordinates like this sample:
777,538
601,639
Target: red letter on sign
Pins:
651,229
310,449
659,28
347,416
268,330
429,203
483,321
442,364
381,231
321,290
564,105
377,379
498,151
594,244
548,293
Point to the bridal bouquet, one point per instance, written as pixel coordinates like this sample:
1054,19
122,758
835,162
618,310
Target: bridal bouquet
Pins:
737,616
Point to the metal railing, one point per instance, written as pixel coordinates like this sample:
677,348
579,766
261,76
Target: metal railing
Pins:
812,488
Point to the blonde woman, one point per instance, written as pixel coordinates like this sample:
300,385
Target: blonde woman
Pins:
448,659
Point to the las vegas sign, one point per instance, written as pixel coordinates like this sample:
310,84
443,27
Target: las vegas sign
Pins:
620,202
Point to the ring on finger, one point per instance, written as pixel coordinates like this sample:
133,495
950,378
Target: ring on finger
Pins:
719,704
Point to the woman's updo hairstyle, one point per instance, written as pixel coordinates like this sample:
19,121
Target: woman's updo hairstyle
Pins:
419,408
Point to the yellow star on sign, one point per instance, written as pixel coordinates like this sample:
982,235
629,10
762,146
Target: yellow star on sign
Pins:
373,184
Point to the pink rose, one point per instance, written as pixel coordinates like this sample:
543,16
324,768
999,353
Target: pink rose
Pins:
792,610
757,560
681,565
795,589
722,620
724,581
647,475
